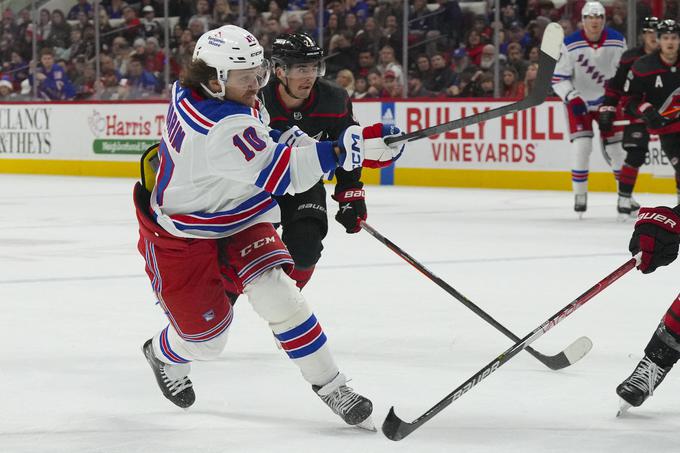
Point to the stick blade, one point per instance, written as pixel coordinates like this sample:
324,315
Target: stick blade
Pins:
578,349
553,36
395,428
570,355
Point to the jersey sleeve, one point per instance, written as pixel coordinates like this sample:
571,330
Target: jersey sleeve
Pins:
562,77
613,89
633,92
240,148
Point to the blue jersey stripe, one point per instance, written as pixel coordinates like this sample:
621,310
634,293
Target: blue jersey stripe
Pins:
224,228
266,172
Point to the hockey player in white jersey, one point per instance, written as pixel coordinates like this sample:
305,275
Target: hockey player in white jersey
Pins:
206,226
588,59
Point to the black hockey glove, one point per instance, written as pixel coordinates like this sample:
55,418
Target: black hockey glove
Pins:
656,235
352,205
653,118
605,117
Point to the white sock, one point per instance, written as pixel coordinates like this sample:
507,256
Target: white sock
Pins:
581,164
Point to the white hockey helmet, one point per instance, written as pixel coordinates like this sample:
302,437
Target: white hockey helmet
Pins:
592,9
231,48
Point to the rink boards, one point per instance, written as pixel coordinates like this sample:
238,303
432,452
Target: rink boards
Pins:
526,150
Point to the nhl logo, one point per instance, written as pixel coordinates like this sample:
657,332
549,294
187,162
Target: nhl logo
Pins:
297,116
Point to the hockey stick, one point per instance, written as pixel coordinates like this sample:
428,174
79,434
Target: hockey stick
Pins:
395,428
549,54
667,113
573,353
626,122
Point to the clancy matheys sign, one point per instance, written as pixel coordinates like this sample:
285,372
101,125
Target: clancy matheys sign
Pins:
25,129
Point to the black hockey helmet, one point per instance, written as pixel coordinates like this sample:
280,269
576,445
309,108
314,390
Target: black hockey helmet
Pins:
297,48
650,23
668,26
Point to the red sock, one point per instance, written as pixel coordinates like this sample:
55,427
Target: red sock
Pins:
627,179
672,318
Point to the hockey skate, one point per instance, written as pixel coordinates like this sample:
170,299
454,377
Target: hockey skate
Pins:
624,206
640,384
353,408
634,205
580,204
179,390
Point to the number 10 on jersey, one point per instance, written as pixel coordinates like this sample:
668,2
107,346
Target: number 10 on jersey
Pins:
251,138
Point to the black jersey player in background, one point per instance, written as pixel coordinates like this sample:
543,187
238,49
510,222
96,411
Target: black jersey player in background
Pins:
652,92
297,97
635,136
654,89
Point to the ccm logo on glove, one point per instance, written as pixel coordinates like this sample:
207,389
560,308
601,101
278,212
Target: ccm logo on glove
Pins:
357,157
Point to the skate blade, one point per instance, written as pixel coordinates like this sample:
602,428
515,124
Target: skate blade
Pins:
623,218
367,424
623,408
580,215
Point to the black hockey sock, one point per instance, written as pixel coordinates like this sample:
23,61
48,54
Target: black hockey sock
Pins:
663,348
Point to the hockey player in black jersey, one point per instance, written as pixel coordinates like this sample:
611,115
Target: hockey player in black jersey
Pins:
654,87
652,93
635,136
656,236
301,104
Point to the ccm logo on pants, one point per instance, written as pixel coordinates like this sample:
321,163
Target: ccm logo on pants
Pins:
256,245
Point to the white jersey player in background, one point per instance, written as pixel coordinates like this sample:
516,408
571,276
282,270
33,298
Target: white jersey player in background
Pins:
588,59
206,226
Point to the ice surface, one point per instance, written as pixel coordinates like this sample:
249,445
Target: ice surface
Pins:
77,306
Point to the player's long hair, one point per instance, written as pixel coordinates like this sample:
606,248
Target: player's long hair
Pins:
195,74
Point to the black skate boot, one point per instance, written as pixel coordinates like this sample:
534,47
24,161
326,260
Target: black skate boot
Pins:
353,408
641,384
580,204
180,390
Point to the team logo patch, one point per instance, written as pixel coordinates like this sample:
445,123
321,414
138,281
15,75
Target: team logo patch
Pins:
209,315
297,116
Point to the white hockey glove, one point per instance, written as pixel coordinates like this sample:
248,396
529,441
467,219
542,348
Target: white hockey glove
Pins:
365,146
295,137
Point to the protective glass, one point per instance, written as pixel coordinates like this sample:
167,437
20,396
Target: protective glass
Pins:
305,70
249,78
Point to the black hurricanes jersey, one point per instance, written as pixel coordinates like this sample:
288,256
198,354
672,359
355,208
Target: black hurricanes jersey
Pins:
653,81
323,116
613,89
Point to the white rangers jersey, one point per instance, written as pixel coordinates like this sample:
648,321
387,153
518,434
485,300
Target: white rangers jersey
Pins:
219,167
584,66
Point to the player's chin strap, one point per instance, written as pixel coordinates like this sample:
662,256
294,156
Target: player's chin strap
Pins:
219,95
290,93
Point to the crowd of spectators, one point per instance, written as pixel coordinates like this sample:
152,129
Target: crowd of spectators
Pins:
450,45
